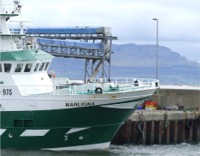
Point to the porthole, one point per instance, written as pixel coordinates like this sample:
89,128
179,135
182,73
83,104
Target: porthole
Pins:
10,135
81,138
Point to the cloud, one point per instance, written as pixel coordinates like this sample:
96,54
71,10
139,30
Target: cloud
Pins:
129,19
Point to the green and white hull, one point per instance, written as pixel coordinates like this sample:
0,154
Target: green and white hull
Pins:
67,125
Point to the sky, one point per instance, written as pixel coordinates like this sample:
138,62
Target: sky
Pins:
131,20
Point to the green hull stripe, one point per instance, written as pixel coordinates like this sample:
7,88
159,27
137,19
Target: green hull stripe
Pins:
58,137
76,117
22,55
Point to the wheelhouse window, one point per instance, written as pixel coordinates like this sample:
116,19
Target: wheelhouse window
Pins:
19,67
28,67
41,66
36,67
0,68
7,67
46,66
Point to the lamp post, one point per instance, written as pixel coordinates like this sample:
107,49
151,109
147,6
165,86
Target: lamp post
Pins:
157,69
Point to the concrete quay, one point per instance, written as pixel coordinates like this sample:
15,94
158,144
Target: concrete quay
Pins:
160,127
173,95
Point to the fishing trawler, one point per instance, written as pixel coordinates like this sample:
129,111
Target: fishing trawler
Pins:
36,114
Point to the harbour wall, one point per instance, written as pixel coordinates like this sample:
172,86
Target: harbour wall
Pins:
186,96
159,127
167,126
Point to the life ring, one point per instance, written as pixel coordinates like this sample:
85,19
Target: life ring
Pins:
136,83
98,90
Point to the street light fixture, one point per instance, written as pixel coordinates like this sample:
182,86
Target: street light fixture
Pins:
157,69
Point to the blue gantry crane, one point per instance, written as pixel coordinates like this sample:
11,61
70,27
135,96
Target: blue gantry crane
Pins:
94,44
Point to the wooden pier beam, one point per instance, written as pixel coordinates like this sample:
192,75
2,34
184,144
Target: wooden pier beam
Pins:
195,130
198,129
160,127
124,134
133,132
157,132
148,133
172,132
181,131
152,132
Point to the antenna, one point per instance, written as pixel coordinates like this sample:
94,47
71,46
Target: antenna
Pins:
0,5
16,1
21,24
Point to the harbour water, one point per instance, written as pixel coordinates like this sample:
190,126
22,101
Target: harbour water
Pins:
183,149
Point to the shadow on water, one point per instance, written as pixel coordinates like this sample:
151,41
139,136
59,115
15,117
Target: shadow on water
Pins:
9,152
183,149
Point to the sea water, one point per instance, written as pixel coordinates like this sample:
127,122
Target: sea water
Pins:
183,149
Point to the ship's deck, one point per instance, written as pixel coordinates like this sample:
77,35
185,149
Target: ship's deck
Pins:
118,85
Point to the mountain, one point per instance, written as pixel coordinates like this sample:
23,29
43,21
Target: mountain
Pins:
145,56
131,60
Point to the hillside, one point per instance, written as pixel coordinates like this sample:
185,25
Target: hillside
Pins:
145,56
130,60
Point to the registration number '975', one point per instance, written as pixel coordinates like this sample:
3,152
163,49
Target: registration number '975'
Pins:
7,91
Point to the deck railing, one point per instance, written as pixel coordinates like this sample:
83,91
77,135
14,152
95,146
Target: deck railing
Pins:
98,86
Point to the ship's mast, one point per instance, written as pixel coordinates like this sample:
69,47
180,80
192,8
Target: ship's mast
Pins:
7,39
0,5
